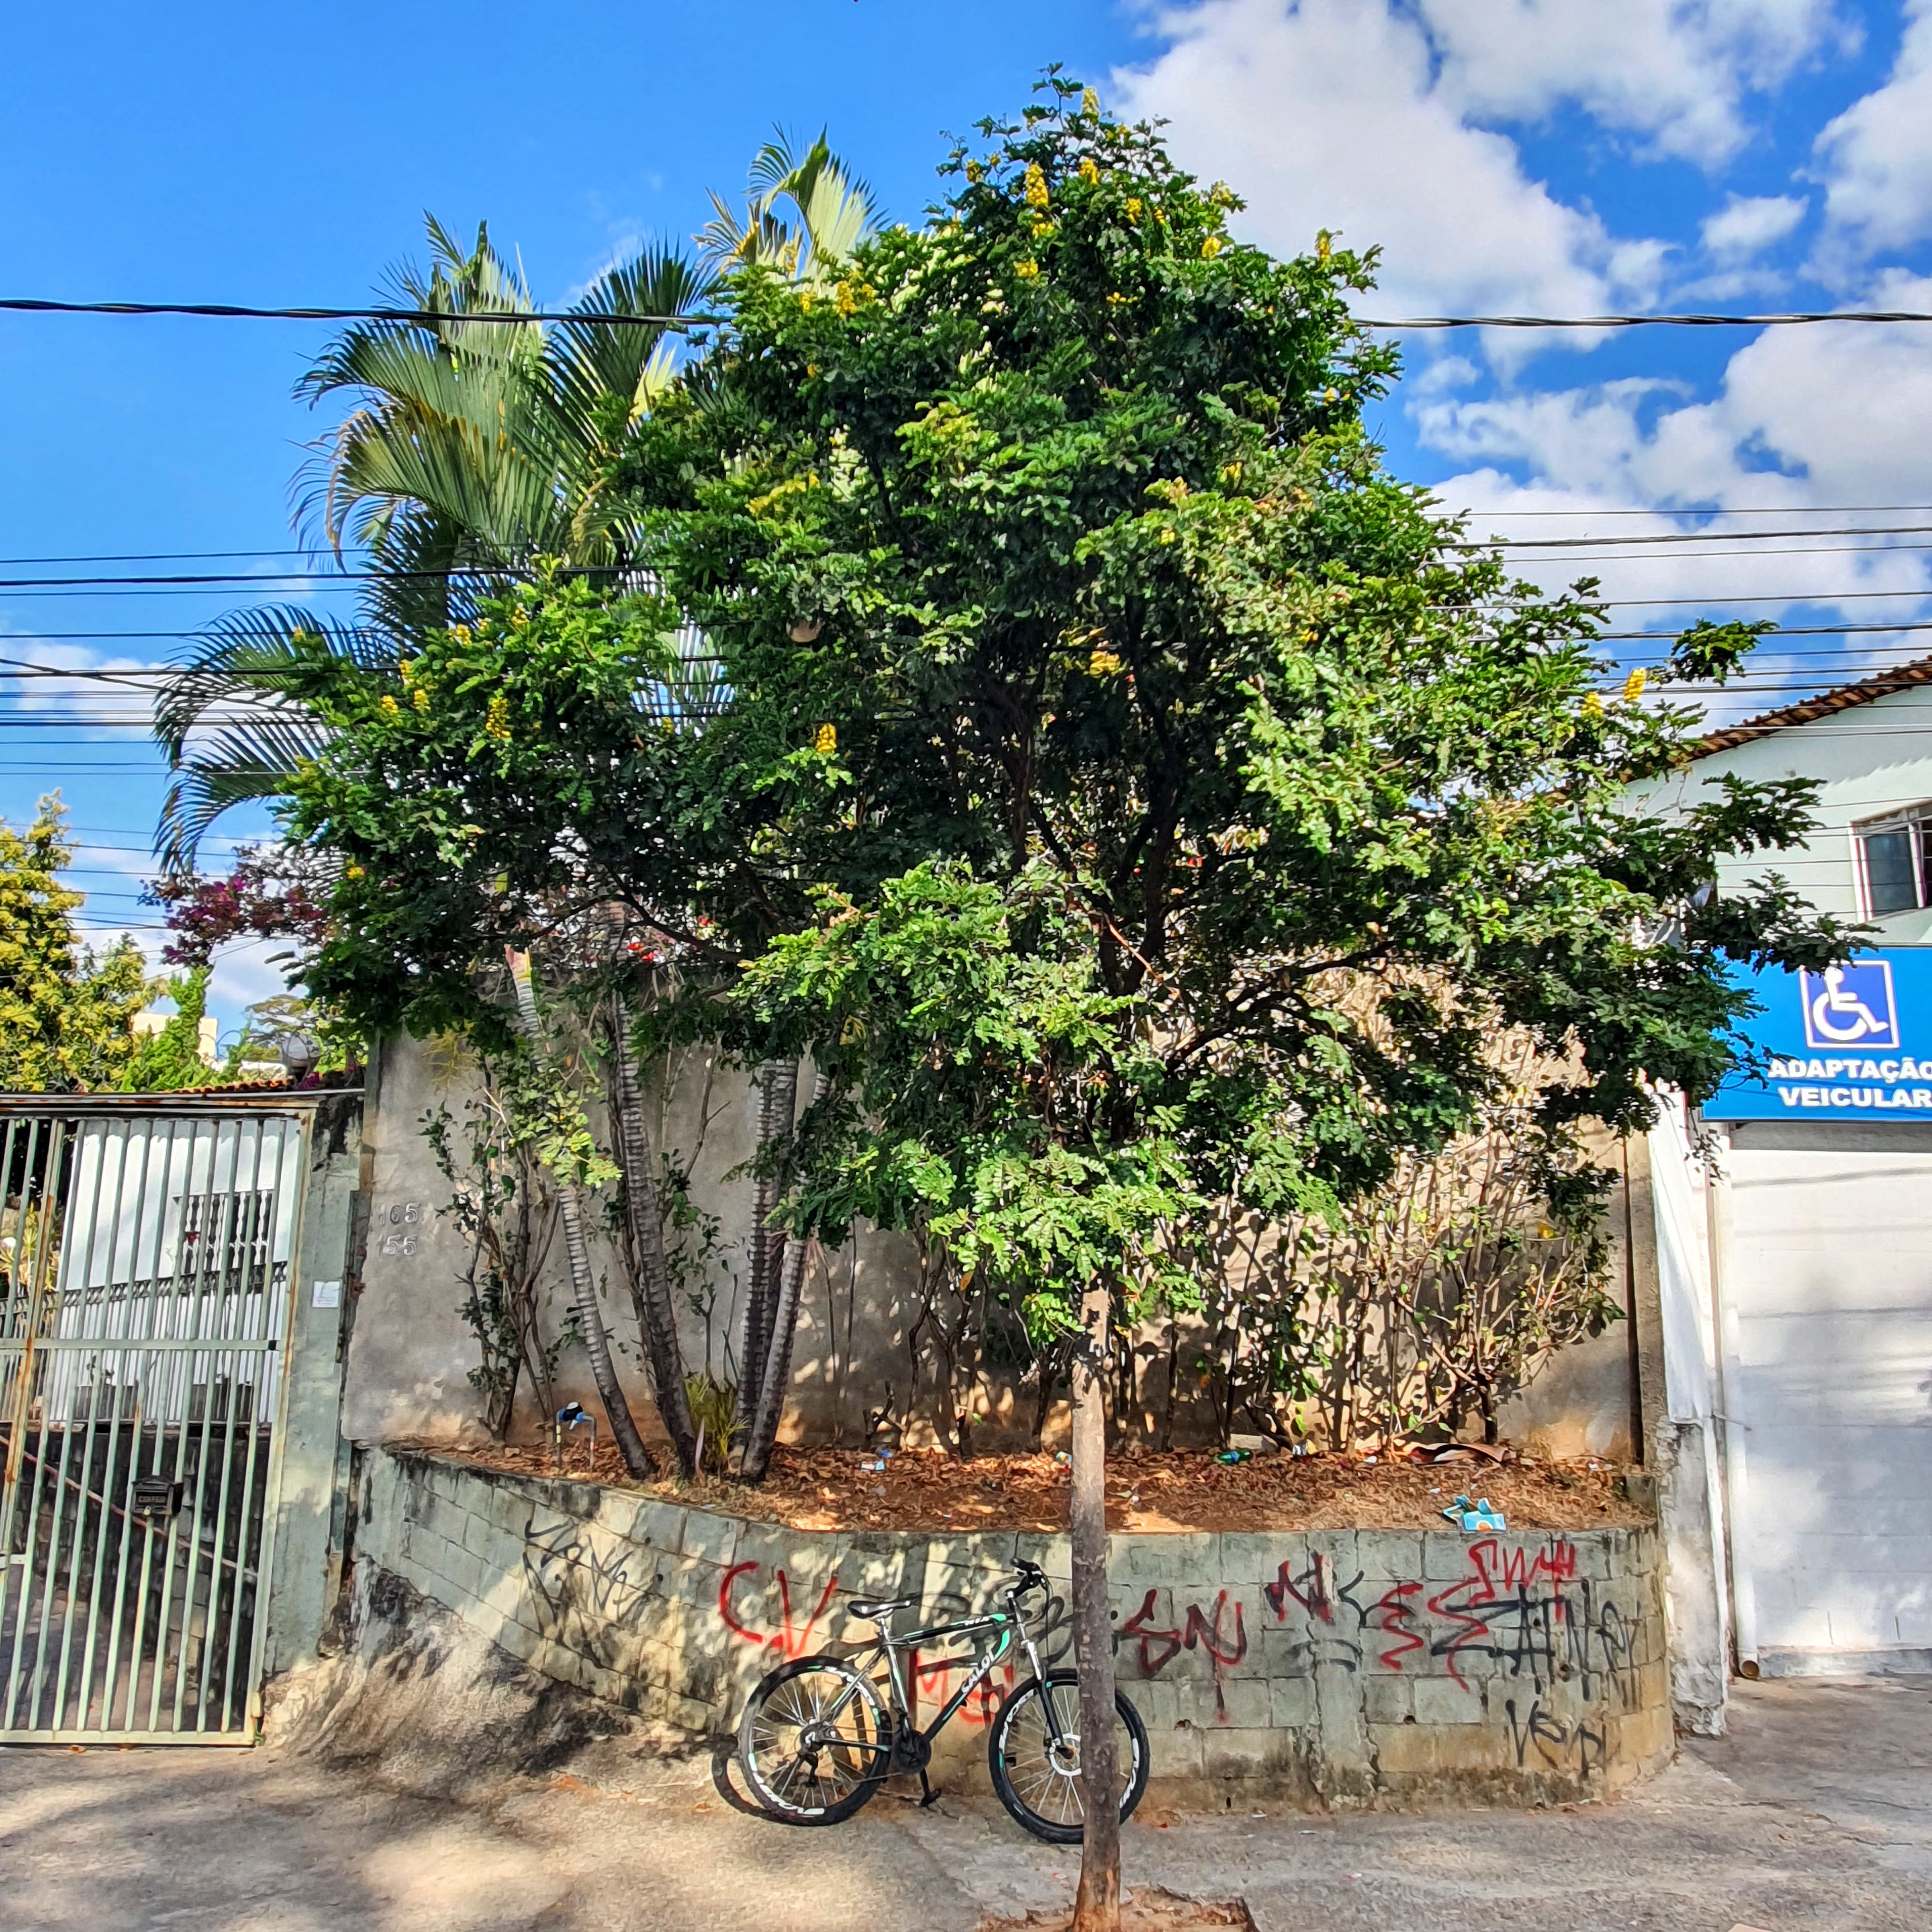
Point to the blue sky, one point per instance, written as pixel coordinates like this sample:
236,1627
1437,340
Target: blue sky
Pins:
1561,157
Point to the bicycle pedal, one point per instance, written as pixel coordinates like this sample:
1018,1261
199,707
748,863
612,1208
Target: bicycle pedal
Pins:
928,1796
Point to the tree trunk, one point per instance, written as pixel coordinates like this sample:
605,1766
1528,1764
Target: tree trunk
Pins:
650,1285
577,1251
776,1083
777,1377
1096,1907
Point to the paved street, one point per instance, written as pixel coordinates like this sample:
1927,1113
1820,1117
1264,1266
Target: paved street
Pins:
1815,1813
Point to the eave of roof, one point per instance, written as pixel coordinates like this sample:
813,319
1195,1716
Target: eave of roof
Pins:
1900,677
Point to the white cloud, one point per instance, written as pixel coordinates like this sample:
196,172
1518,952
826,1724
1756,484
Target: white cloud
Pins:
1333,113
1804,419
1876,156
1747,224
1675,71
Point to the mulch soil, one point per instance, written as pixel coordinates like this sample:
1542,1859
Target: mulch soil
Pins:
1184,1490
1147,1910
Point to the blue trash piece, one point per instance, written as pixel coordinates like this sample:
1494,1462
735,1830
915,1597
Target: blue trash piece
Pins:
1472,1517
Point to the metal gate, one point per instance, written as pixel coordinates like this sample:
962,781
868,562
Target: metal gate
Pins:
144,1285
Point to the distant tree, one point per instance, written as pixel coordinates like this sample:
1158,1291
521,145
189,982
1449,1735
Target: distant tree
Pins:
169,1060
64,1010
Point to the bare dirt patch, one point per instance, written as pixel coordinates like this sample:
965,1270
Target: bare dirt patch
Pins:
1148,1910
1185,1490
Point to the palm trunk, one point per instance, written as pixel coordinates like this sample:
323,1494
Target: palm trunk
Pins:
776,1084
777,1376
1096,1906
577,1251
650,1285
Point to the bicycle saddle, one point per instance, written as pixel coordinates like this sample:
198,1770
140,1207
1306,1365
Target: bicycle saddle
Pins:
871,1607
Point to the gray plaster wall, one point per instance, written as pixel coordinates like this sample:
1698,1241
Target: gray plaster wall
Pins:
411,1354
1332,1668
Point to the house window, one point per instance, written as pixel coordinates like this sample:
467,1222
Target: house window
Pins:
1895,863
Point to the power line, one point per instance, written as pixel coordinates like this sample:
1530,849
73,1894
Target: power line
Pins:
425,318
1794,318
1764,510
1680,536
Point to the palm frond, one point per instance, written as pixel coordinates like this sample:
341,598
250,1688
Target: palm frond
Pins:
242,764
591,362
265,658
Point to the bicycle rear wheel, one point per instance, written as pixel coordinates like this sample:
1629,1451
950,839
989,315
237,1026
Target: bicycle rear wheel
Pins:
1038,1778
814,1742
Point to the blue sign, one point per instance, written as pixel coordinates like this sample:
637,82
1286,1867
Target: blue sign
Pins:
1853,1042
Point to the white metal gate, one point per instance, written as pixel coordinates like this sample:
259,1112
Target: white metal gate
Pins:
145,1284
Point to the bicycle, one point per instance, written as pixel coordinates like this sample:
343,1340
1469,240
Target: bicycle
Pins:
818,1738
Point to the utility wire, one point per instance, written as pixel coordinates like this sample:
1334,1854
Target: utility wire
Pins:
428,318
1795,319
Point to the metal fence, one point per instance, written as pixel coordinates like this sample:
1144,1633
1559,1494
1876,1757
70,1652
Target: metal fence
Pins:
145,1284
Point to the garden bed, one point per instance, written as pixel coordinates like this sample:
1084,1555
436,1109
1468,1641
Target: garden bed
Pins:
1184,1490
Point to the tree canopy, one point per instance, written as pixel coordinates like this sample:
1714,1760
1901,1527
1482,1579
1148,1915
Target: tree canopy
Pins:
63,1009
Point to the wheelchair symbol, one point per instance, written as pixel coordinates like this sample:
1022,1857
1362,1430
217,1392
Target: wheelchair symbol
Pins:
1839,1005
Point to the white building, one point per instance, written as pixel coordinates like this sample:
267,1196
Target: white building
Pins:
1794,1231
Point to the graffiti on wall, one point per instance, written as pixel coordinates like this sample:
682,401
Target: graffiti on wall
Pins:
758,1610
583,1595
1526,1612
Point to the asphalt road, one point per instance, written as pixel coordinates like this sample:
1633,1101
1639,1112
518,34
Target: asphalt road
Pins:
1815,1813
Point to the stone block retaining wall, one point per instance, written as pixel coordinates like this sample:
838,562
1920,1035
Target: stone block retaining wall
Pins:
1326,1668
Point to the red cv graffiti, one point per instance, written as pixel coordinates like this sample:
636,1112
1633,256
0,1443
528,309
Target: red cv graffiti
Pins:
788,1641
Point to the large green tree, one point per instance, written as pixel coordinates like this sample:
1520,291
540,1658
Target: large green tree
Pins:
1196,801
64,1010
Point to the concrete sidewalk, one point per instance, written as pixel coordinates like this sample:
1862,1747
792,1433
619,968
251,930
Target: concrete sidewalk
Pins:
1815,1813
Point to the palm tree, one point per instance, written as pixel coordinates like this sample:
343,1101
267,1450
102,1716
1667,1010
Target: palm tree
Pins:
475,446
834,211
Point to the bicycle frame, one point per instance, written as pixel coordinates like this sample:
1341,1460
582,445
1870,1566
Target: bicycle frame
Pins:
1008,1624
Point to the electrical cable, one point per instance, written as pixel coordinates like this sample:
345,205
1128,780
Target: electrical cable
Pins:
426,318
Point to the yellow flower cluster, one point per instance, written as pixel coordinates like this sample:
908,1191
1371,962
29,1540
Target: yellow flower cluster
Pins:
1209,247
1134,204
497,719
1036,186
975,173
1027,270
1593,706
1090,101
847,300
1633,685
420,697
388,707
1041,227
1116,300
1103,663
826,742
1089,173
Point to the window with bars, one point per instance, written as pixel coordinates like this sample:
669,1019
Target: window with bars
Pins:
1895,862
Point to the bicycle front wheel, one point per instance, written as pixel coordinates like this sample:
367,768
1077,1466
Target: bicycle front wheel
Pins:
1035,1754
814,1742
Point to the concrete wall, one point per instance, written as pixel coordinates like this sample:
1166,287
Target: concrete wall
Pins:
1336,1668
411,1354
